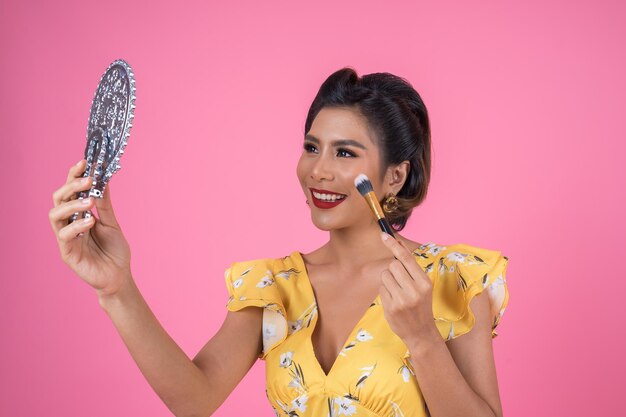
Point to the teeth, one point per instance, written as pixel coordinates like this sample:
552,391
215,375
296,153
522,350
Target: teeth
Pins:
328,197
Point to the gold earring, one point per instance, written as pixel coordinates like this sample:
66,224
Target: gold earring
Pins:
390,205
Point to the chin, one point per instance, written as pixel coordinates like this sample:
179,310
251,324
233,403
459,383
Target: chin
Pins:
323,225
328,226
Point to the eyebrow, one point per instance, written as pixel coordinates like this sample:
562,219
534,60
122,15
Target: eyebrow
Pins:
339,142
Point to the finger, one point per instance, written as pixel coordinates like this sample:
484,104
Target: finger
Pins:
106,215
385,295
70,232
401,275
69,191
76,170
390,284
404,255
59,215
403,245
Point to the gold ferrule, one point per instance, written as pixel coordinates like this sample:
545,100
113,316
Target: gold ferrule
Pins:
372,201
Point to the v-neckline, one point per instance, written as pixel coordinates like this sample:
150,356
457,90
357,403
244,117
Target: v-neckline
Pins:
376,300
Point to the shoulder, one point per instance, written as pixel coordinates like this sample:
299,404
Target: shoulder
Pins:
269,283
263,266
460,272
243,267
459,255
261,278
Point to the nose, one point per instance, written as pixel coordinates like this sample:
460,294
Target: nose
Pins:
321,170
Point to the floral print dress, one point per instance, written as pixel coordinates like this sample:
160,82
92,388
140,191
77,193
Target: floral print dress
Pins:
373,374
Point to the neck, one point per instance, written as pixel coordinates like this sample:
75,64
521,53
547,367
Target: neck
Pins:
356,247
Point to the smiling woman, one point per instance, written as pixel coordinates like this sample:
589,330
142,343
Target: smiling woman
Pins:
361,326
382,119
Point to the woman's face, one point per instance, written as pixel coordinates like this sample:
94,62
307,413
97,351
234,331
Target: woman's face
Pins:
338,148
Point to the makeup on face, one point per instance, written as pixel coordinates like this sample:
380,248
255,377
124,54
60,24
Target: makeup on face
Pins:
326,199
336,149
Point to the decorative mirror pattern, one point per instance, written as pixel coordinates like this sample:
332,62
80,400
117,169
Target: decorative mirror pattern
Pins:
108,130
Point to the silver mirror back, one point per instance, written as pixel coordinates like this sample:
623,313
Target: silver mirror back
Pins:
108,130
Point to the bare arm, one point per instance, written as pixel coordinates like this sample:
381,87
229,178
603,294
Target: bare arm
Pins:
188,388
99,254
460,380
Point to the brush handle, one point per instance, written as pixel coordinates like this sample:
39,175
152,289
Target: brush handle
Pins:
385,227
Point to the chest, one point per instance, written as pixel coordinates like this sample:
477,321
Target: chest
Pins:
342,301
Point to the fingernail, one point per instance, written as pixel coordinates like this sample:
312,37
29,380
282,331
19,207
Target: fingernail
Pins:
84,180
384,235
86,201
78,163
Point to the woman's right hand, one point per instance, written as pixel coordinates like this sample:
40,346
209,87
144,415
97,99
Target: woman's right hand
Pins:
101,256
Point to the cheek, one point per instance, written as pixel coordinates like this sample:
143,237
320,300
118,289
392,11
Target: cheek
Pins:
301,169
349,173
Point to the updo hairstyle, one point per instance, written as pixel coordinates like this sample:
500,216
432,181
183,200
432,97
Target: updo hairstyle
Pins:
397,116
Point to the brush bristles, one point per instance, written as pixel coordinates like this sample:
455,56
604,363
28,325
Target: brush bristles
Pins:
363,184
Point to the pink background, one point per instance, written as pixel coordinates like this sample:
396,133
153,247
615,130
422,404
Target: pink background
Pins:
527,110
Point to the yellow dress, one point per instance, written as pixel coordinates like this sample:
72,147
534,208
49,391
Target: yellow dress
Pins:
373,374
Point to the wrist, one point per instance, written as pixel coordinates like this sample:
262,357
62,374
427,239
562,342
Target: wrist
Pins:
123,294
422,343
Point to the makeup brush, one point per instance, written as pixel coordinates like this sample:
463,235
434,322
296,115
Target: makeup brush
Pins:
364,186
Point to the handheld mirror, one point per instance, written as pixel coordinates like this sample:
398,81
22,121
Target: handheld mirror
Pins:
110,120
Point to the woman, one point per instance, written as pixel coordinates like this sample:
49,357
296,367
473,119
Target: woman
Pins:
329,349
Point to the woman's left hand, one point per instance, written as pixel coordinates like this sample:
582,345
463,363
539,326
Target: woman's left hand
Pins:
406,295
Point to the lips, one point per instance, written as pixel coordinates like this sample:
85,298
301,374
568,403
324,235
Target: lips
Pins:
325,204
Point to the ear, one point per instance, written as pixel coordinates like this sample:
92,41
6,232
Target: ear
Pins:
396,176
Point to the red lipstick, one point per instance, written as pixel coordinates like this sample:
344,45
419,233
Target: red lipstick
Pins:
325,204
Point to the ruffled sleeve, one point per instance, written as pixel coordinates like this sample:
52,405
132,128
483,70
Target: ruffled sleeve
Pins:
462,272
252,284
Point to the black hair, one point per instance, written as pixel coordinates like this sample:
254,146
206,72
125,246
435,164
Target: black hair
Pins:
398,117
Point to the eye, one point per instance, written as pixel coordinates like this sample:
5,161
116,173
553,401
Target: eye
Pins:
308,146
346,151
